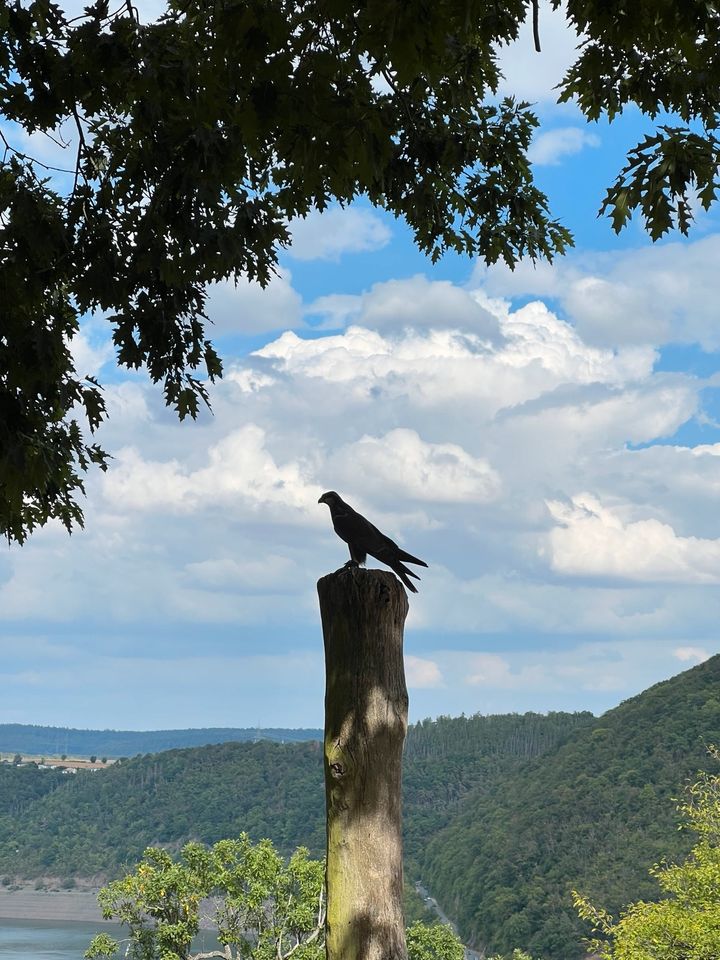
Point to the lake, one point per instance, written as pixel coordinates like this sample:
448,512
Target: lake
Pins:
62,939
49,939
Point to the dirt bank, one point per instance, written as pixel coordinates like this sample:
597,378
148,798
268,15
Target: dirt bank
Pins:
45,905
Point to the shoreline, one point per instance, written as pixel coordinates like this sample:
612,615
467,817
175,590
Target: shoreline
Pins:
80,906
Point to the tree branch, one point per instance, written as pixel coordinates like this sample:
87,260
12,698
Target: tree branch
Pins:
536,25
25,156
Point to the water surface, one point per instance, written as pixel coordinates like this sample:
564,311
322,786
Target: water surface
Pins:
49,939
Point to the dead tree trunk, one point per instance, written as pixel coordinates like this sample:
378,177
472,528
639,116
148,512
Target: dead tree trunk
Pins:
363,613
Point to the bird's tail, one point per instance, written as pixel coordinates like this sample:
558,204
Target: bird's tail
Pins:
405,574
409,558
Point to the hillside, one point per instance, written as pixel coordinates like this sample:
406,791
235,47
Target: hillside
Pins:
94,824
594,815
503,815
54,741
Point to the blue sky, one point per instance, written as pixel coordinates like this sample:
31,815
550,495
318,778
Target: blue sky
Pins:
547,439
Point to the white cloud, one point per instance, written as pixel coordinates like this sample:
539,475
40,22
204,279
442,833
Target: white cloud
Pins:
88,357
496,672
422,674
491,682
401,464
240,474
691,654
414,303
533,353
246,307
248,380
652,295
552,146
330,234
267,572
448,418
593,540
533,76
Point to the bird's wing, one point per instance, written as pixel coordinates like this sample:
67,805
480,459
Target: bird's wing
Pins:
383,548
364,537
355,530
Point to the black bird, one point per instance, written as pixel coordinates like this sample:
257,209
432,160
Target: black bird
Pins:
363,538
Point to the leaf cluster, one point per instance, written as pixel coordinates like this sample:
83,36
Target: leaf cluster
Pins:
197,138
435,942
259,905
661,57
685,923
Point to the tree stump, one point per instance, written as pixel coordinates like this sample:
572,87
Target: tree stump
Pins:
363,614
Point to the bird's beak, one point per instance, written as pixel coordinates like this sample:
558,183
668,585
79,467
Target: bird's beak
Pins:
322,499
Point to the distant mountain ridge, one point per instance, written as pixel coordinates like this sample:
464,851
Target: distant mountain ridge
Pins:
55,741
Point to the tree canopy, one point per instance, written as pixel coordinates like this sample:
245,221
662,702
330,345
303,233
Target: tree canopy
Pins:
255,904
685,923
197,137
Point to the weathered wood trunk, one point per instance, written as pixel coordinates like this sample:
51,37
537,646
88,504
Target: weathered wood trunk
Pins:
363,613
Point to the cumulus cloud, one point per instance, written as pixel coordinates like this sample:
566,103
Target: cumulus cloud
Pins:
422,674
413,303
533,354
240,473
549,148
329,234
593,540
402,464
246,307
651,295
448,416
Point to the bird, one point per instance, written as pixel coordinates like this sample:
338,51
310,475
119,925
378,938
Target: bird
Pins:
363,538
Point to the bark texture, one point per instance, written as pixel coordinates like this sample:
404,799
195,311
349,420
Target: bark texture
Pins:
363,614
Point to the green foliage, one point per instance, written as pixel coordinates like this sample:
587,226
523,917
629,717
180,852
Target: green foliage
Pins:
96,824
200,135
448,759
42,452
685,924
504,816
436,942
516,955
663,176
593,814
259,906
660,57
21,787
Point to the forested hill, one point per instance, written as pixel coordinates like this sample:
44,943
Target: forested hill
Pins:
503,815
55,741
94,824
593,815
